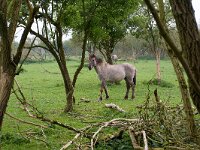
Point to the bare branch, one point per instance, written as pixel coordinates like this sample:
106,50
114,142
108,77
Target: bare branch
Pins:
19,69
24,36
23,121
70,142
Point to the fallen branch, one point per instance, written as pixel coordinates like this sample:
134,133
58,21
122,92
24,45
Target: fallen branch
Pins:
145,140
37,114
133,139
31,123
132,134
105,124
70,142
114,106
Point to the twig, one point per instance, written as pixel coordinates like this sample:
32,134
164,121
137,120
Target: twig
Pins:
70,142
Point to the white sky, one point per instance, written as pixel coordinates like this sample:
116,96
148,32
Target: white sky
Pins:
196,6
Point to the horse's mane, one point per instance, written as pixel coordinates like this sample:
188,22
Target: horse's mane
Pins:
99,60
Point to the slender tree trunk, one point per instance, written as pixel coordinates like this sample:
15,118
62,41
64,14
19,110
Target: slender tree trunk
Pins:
158,67
65,73
86,33
60,59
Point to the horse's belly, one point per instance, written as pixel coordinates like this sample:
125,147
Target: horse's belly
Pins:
116,77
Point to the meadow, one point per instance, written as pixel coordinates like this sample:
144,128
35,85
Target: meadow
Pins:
42,86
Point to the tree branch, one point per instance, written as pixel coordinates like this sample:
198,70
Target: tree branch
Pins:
24,35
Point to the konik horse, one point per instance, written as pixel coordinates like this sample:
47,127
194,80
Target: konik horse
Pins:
113,73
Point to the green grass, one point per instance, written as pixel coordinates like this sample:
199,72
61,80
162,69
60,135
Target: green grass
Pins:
46,91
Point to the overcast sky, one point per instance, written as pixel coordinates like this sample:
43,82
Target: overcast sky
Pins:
196,6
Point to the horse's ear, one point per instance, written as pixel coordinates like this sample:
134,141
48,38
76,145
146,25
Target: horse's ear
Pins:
92,55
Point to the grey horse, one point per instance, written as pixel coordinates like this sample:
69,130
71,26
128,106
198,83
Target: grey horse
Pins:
113,73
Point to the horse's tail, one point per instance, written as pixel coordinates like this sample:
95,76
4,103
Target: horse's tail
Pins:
134,79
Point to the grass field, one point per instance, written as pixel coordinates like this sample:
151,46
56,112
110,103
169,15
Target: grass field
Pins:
46,91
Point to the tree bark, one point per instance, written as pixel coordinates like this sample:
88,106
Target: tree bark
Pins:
7,79
190,42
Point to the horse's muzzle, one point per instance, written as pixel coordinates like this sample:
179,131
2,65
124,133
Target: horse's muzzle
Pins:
90,67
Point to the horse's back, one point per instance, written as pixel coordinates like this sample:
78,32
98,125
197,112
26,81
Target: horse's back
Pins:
130,70
115,73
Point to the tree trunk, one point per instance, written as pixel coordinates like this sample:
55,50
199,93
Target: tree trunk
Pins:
181,80
158,67
190,42
185,95
108,56
6,82
7,64
60,59
65,73
86,33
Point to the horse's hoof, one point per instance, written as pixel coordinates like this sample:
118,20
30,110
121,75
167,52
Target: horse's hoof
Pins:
100,99
126,97
132,97
107,97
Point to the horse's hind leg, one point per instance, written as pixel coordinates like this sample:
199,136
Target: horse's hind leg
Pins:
106,92
127,88
133,83
133,91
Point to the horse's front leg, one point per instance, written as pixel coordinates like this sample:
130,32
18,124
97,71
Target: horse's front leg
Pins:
103,87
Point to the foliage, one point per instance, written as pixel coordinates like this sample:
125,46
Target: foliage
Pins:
106,21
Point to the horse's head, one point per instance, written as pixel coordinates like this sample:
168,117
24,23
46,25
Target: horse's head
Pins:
92,61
